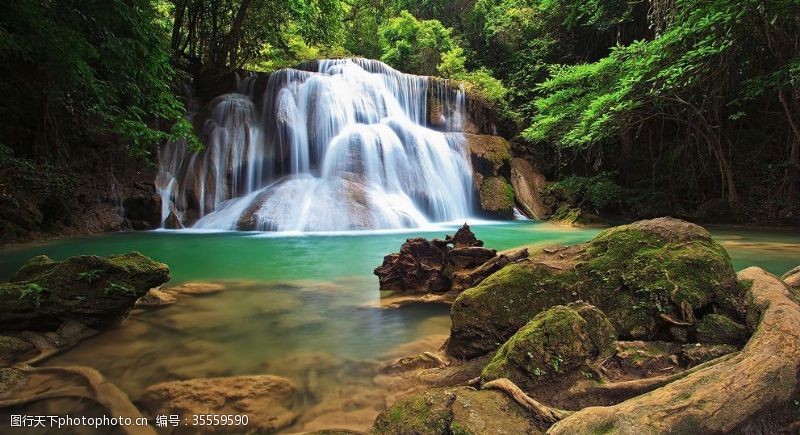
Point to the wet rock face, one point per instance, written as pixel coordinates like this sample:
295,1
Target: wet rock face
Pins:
436,266
96,291
529,187
266,400
649,278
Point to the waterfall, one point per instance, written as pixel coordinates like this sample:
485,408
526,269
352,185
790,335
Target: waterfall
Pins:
339,144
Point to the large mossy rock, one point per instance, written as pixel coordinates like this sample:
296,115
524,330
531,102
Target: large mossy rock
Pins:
459,411
497,198
558,341
96,291
647,277
491,166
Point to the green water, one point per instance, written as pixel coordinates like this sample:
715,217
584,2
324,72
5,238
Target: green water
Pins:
288,300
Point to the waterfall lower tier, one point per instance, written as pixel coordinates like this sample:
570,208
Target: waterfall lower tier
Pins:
343,147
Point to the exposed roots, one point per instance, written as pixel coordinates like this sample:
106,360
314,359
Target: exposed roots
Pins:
545,413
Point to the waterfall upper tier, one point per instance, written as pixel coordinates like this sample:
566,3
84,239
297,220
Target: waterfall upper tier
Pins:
342,144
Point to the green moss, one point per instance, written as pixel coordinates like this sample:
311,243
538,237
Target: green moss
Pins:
556,341
571,216
457,429
634,276
493,149
428,412
484,316
720,329
605,428
497,196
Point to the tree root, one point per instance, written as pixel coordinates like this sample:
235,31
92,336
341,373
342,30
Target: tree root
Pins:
545,413
75,382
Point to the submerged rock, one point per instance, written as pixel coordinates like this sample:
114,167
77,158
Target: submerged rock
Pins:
558,341
95,291
646,277
268,401
460,410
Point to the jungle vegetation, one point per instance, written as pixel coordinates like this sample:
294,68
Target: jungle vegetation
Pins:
642,108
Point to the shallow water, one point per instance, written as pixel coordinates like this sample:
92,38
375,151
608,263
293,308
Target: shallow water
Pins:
293,301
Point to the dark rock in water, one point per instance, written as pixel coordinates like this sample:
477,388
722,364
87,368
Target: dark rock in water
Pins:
469,257
172,222
647,277
464,238
417,268
424,266
96,291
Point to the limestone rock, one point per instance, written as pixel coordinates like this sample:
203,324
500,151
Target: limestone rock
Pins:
268,401
95,291
529,187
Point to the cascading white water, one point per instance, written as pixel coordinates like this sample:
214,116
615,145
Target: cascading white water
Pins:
340,148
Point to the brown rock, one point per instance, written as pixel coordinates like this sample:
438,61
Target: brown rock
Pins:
529,187
463,238
417,268
470,257
268,401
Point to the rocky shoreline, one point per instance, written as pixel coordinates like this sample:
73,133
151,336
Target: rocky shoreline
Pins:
644,328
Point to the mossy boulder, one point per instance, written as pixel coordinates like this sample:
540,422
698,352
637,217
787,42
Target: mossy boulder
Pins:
557,341
96,291
647,277
497,198
720,329
457,411
485,316
654,274
490,155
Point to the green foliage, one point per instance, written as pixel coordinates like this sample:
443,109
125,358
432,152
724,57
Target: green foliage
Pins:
69,69
89,276
34,291
120,289
597,192
413,45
